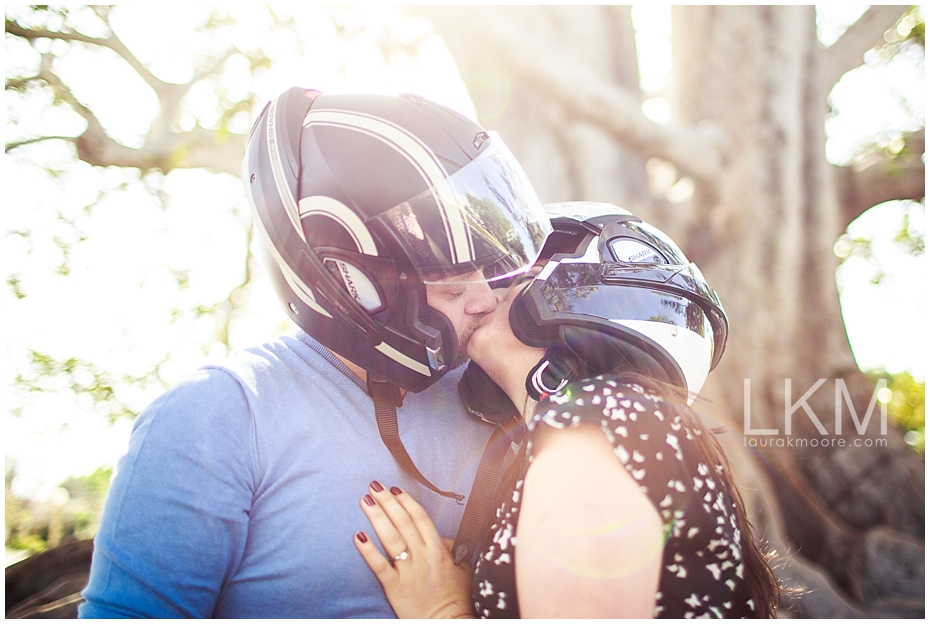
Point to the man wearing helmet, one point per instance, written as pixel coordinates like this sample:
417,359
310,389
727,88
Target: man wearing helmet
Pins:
383,221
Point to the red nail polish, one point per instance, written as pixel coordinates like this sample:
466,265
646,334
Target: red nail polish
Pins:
396,490
361,537
369,500
377,487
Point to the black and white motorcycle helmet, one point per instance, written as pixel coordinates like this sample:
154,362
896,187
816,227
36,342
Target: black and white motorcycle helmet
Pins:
361,200
617,290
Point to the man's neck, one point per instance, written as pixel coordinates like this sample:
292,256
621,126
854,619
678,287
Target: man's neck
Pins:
360,372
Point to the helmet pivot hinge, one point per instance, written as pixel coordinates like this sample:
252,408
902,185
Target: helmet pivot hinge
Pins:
436,361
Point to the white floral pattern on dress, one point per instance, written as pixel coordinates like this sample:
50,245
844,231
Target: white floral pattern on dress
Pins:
702,571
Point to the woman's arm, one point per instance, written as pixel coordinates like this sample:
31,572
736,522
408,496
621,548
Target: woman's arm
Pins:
589,540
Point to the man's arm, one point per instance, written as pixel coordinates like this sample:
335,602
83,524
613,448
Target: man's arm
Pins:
175,522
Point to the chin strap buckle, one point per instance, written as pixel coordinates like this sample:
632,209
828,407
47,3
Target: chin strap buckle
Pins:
383,391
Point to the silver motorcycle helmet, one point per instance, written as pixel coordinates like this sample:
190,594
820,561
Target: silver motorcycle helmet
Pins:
619,295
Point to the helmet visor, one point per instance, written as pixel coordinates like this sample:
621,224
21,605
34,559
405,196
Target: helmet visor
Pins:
591,294
583,289
484,222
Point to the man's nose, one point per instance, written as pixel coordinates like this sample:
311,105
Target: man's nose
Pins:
481,299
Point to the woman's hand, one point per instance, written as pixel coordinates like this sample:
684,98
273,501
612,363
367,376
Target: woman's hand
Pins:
424,583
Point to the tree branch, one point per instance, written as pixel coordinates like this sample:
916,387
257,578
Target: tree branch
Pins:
31,34
111,41
214,68
94,142
165,148
207,149
19,84
15,144
584,93
198,148
847,52
879,179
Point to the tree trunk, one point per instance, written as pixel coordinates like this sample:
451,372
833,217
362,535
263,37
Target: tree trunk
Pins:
750,88
565,157
766,240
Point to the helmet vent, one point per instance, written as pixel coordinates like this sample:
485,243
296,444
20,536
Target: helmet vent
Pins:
480,138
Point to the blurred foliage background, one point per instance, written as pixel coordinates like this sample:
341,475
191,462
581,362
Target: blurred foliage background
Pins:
129,260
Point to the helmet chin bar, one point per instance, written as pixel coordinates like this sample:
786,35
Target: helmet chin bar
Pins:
389,358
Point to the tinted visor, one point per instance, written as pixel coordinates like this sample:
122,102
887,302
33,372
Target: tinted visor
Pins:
580,289
601,295
485,217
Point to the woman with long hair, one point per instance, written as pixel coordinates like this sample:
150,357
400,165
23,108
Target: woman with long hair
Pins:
621,503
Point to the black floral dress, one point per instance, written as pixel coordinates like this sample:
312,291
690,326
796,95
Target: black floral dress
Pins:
702,570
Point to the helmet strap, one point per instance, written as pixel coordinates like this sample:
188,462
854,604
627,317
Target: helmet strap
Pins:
387,399
550,375
484,399
481,494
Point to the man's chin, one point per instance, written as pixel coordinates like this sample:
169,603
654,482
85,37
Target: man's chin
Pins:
461,357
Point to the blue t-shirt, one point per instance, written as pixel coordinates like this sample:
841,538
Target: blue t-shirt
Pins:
239,496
